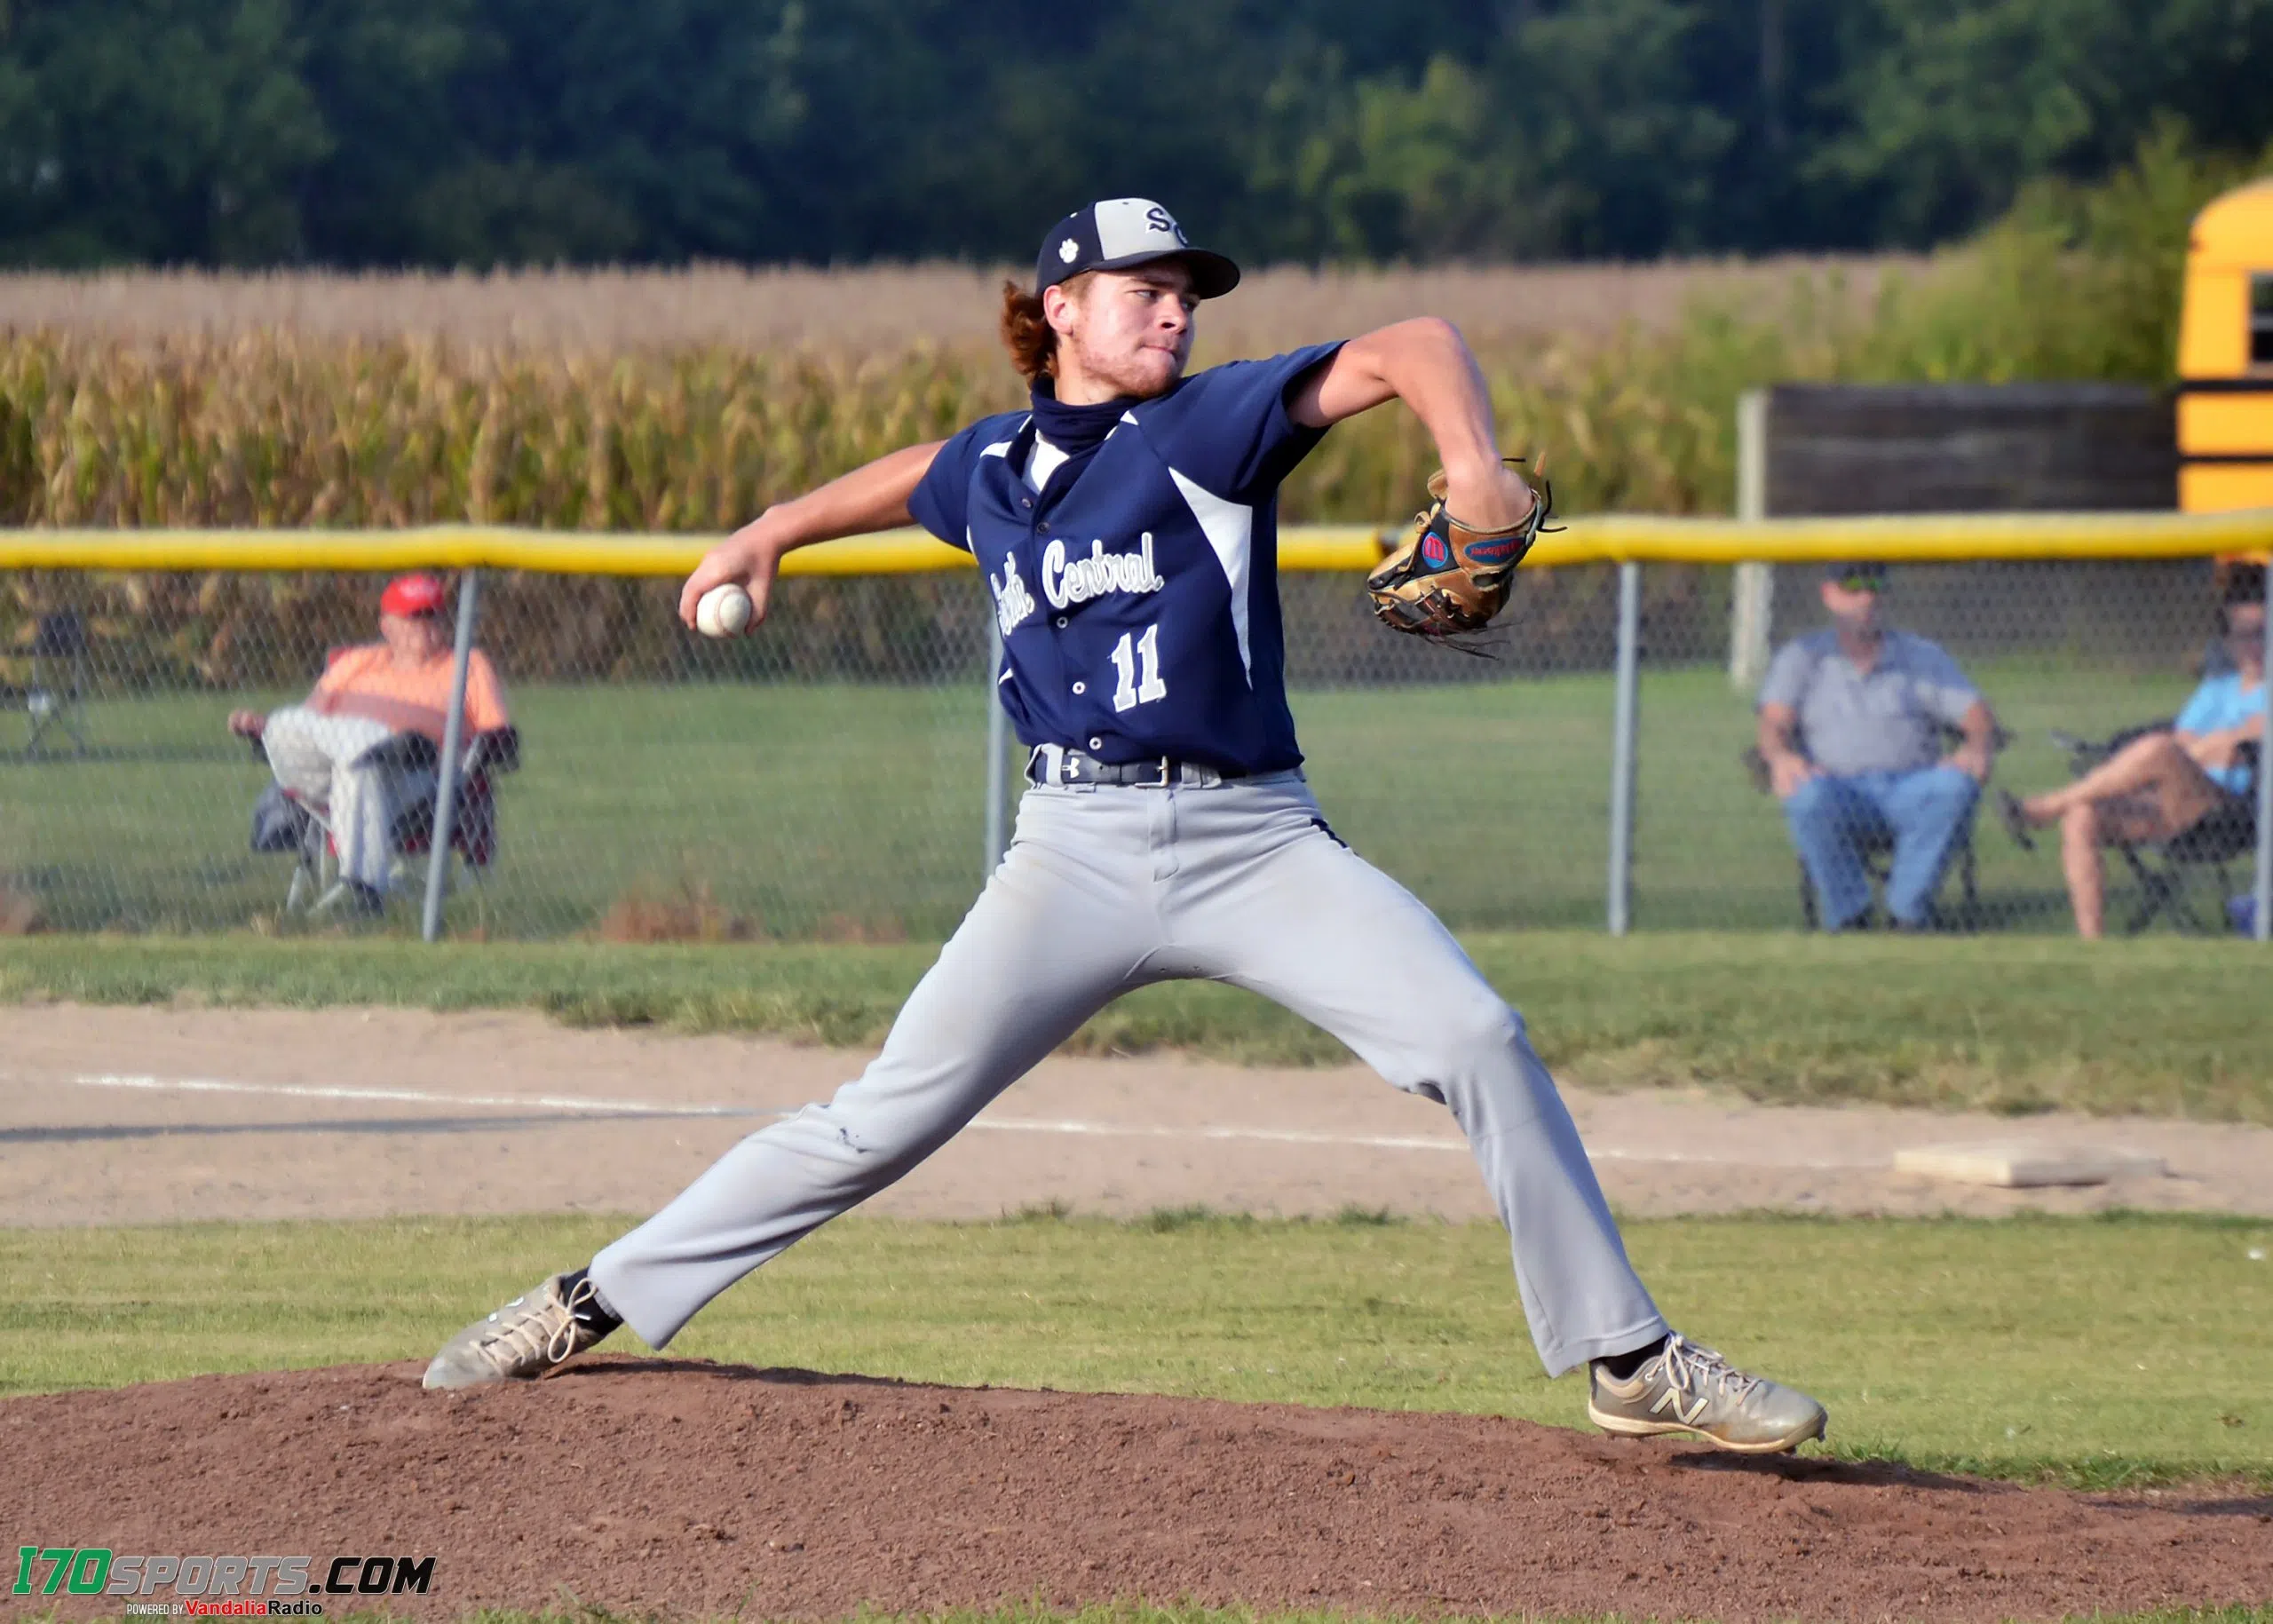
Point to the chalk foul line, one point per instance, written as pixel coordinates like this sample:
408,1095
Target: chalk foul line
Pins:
588,1104
417,1097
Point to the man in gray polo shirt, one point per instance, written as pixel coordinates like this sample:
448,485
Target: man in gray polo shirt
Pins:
1852,720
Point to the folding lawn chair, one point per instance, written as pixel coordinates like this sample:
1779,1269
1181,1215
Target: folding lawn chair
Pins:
284,821
1877,852
2166,870
59,680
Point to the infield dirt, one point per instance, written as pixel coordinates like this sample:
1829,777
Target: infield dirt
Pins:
158,1115
690,1489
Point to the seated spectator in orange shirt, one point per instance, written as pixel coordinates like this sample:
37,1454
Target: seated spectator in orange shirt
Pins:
323,750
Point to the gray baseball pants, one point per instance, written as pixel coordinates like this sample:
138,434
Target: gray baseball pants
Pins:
1108,889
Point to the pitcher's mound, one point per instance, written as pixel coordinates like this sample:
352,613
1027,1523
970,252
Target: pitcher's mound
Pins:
694,1489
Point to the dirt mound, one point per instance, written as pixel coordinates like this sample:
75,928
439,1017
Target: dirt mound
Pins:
693,1488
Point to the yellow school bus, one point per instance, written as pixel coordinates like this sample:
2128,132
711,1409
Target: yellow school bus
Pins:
2225,357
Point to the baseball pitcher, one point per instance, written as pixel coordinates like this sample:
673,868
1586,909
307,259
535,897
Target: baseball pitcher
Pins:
1126,523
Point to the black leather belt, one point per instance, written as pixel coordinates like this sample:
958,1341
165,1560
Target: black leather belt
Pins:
1056,763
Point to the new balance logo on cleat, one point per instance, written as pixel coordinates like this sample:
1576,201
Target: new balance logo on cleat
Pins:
1671,1400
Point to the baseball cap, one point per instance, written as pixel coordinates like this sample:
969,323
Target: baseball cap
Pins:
1857,575
419,594
1122,232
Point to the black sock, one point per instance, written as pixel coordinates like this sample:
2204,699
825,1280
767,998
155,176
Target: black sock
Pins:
1621,1366
594,1315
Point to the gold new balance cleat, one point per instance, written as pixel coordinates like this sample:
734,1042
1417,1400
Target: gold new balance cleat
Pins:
1685,1387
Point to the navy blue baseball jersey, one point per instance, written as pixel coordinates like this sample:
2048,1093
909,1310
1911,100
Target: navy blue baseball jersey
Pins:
1133,560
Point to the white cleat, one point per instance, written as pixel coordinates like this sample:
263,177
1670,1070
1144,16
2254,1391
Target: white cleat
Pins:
528,1337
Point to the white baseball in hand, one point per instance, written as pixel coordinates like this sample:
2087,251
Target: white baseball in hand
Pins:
722,612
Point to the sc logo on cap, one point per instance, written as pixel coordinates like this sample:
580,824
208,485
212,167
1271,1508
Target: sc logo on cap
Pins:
1157,219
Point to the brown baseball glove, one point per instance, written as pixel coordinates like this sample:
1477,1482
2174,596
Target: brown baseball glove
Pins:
1447,579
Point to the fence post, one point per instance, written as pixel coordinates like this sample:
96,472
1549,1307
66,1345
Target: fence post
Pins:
1752,597
446,786
997,745
1623,749
2261,919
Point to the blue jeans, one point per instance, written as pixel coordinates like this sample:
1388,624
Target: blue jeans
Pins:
1924,812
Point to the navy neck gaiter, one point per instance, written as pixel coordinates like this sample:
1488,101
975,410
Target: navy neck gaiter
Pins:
1077,430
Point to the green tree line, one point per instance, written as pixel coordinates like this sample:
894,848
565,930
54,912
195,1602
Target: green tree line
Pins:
440,132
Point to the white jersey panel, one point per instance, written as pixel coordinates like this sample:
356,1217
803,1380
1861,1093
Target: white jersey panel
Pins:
1044,460
1230,529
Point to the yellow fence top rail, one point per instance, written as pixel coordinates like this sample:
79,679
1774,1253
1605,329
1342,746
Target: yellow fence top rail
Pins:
1609,538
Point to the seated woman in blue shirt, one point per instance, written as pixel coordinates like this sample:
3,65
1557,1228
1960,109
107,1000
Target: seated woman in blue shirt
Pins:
2162,784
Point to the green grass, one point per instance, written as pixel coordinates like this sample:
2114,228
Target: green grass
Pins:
746,794
1192,1613
2097,1352
849,810
2010,1024
1145,1612
1134,1612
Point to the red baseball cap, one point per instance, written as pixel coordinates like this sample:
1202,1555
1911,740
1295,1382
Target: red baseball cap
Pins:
412,595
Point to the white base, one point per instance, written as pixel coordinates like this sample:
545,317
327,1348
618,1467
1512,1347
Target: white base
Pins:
2013,1167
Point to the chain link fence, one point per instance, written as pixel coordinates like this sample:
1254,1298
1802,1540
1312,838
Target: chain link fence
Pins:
829,777
2067,655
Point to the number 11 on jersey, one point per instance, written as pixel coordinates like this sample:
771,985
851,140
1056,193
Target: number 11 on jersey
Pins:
1128,661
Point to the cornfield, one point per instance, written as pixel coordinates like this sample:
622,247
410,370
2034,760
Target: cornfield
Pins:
865,310
688,401
274,429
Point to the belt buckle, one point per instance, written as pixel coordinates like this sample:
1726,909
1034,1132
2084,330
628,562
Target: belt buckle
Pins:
1168,768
